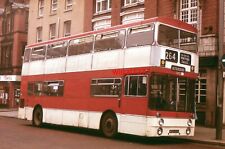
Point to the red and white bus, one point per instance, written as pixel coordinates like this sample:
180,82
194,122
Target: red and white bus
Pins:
136,79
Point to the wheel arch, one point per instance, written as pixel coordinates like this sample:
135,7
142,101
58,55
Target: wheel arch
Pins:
38,106
109,111
35,107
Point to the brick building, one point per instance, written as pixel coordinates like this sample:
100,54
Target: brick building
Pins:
202,14
58,18
13,38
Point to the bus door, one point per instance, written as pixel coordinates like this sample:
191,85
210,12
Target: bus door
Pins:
133,104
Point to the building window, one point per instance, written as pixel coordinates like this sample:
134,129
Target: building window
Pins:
9,24
201,86
103,5
189,11
52,31
6,57
69,4
67,28
53,6
132,17
102,24
132,2
39,34
40,8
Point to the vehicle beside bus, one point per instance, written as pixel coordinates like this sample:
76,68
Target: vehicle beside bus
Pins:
136,79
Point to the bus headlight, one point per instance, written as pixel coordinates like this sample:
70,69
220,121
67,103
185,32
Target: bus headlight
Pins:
189,122
192,68
159,131
161,122
188,131
162,63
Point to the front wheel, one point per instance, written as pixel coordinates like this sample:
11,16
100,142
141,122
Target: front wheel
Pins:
109,125
37,117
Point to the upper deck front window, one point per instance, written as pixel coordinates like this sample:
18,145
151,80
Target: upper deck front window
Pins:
140,36
176,38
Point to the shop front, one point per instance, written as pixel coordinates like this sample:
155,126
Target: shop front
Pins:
9,90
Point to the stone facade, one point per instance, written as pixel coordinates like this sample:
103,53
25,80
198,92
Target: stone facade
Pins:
13,38
75,14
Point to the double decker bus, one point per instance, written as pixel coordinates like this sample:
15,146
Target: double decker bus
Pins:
135,79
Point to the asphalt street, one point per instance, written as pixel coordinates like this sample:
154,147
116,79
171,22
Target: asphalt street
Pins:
20,134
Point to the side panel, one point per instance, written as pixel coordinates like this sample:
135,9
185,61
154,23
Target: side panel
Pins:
55,65
79,63
25,69
108,60
137,57
133,124
72,118
36,67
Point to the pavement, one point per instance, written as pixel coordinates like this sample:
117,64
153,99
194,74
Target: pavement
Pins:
204,135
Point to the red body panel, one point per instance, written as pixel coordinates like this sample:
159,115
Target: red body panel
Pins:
77,93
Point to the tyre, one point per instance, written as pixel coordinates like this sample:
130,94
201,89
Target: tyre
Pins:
109,125
37,117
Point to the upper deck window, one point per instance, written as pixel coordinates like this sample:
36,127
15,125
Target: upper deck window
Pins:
38,53
176,38
81,45
168,36
27,55
56,50
140,36
110,41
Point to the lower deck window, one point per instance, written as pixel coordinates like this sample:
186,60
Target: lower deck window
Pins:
106,87
46,88
136,85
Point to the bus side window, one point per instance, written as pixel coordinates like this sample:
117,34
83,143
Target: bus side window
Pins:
106,87
27,55
168,36
136,85
140,36
81,46
54,88
56,50
38,53
109,41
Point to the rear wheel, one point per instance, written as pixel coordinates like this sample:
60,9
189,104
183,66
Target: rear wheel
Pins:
37,117
109,125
